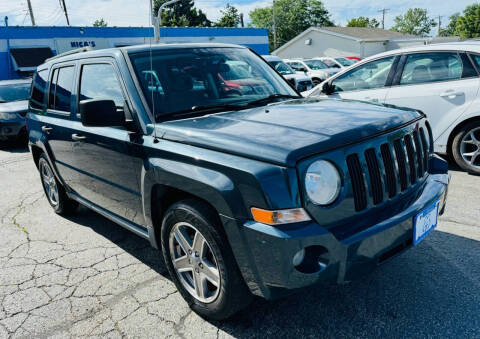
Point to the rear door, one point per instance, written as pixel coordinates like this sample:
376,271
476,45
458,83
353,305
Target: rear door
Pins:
108,160
57,125
367,82
441,84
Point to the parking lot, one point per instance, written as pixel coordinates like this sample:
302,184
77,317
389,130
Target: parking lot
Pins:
85,276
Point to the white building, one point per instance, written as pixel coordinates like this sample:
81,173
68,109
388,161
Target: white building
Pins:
347,41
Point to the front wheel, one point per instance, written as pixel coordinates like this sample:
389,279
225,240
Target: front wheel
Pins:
200,261
316,81
466,148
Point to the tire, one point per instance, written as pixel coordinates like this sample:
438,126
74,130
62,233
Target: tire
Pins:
54,191
466,148
213,302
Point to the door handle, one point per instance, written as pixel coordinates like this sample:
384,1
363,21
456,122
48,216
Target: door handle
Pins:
78,137
451,94
47,129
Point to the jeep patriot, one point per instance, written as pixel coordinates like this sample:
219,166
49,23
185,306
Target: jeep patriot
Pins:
247,188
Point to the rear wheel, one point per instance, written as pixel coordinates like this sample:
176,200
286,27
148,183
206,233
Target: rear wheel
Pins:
316,81
56,195
200,261
466,148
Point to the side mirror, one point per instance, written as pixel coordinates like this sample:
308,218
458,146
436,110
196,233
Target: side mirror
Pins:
328,88
101,113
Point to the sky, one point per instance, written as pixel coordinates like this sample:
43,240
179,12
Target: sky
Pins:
135,12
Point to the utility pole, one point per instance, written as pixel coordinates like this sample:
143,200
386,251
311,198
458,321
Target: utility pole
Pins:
383,11
274,26
241,20
440,24
62,4
32,19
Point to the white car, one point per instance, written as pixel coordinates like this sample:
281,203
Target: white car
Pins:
440,80
340,62
314,68
300,81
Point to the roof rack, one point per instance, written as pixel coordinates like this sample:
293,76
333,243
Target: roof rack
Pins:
73,51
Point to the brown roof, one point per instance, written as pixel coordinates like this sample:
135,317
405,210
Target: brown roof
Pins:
366,33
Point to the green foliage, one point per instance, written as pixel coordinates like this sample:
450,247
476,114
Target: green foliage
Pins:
451,27
182,13
363,22
292,18
468,25
230,17
414,22
100,23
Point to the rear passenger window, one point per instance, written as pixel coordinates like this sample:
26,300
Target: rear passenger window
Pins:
38,89
99,81
61,89
431,67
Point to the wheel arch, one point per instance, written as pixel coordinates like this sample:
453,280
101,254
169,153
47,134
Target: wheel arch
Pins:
455,131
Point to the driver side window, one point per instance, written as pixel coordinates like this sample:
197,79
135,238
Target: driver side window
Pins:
368,76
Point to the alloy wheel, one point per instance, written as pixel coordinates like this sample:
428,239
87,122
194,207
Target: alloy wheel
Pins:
470,147
49,183
194,262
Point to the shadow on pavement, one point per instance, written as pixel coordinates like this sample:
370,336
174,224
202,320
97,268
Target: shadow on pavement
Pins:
432,290
14,146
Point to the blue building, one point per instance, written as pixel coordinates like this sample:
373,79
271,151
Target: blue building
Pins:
23,48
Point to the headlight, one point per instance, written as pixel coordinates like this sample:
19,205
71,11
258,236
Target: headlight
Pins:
322,182
8,116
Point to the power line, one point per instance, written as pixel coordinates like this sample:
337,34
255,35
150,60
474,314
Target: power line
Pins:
383,11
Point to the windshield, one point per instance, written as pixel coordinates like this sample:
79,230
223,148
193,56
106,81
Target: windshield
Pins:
14,92
315,64
281,67
194,79
345,62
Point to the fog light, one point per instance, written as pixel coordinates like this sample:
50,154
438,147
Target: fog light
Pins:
298,257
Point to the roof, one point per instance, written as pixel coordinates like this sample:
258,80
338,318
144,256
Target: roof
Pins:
366,33
358,34
133,49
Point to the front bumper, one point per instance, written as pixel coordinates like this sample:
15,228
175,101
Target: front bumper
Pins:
11,128
266,257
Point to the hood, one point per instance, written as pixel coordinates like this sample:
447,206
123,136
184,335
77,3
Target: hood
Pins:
297,76
283,133
14,107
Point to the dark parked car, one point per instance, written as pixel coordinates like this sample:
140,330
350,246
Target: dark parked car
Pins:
257,192
14,96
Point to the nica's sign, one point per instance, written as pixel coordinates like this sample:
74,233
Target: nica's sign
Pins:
78,44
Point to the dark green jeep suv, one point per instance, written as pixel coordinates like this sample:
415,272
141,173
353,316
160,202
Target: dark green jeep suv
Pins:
247,188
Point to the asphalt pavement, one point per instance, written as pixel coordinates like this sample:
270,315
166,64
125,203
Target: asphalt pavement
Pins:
84,276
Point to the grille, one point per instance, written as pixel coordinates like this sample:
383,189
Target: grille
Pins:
392,168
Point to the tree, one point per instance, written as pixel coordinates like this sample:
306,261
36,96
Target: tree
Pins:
230,17
414,22
451,27
363,22
182,13
468,25
292,18
100,23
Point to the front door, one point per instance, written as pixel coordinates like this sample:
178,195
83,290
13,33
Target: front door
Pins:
108,162
366,82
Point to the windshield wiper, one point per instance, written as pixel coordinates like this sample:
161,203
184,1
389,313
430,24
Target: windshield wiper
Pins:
272,98
198,110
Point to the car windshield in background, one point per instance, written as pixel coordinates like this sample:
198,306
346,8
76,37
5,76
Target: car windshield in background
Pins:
176,81
14,92
315,64
345,62
281,67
